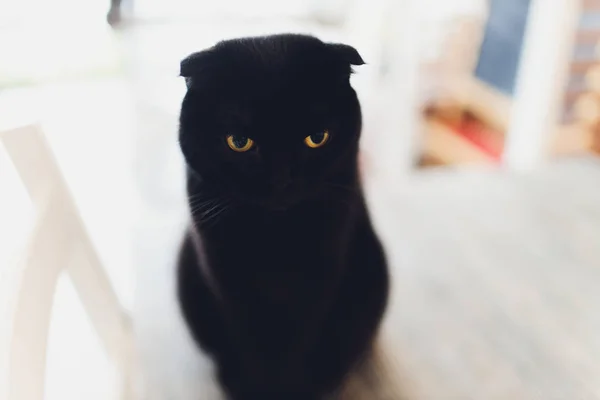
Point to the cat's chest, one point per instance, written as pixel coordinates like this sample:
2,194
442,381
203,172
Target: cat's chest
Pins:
275,246
278,234
275,253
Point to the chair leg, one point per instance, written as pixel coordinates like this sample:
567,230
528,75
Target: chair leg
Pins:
34,283
114,15
101,304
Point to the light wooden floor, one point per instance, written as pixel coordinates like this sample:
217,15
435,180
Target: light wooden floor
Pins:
497,283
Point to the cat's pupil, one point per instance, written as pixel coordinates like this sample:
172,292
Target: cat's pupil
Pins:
239,141
317,138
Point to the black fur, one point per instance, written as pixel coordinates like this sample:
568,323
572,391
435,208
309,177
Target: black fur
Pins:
282,280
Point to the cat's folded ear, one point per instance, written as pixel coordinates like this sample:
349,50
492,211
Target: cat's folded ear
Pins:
194,65
347,53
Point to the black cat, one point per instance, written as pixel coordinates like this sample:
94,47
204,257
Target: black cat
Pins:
282,280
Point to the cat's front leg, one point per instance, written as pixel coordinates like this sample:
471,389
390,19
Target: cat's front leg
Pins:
348,336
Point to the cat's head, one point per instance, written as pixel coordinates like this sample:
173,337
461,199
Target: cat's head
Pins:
271,120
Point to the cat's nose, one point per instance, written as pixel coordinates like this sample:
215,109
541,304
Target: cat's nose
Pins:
282,179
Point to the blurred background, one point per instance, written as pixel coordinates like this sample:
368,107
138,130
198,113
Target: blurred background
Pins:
482,121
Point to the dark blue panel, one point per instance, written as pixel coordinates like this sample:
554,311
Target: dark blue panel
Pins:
500,53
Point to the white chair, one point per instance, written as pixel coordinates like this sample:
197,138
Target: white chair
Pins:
389,30
59,242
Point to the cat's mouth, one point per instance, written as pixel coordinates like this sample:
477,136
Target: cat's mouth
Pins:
281,203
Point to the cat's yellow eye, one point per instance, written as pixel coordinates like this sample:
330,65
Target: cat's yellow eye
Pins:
239,143
316,139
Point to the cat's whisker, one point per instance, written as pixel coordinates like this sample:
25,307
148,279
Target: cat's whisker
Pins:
198,209
202,206
200,198
204,209
201,214
211,216
206,213
197,195
214,216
